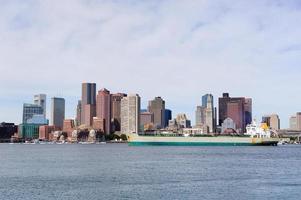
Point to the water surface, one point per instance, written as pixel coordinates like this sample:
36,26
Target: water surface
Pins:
117,171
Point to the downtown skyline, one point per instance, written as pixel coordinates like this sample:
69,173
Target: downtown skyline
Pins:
243,48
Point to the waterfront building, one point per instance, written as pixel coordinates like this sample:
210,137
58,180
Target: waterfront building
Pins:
248,111
78,113
157,107
57,112
38,119
298,121
172,124
98,124
103,108
293,122
167,117
130,114
228,124
272,121
200,116
45,131
7,130
146,120
235,111
88,103
68,127
182,121
28,131
209,113
29,110
40,99
236,108
115,111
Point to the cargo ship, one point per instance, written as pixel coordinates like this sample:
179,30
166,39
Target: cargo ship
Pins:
254,136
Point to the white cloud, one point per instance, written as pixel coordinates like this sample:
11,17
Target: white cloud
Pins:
175,49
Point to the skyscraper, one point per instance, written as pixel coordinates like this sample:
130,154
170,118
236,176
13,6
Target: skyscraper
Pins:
78,113
200,116
273,121
88,103
157,107
298,120
30,110
115,110
293,122
40,99
130,114
248,111
209,114
237,108
235,111
57,112
168,116
103,108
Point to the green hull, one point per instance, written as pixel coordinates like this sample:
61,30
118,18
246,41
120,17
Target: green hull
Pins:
198,144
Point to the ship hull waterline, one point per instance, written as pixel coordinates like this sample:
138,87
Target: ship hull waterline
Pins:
135,140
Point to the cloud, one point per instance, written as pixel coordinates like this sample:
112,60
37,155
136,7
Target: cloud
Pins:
175,49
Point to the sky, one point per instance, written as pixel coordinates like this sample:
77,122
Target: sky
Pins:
179,50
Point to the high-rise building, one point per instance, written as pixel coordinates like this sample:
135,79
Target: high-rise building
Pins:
248,111
146,119
40,99
298,120
293,123
157,107
103,108
130,114
235,111
273,121
200,116
209,113
115,111
237,108
78,113
29,110
88,103
182,121
168,116
57,112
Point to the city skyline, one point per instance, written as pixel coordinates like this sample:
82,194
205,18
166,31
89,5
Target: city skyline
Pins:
243,48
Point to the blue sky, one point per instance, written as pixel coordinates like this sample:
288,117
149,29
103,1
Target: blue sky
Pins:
176,49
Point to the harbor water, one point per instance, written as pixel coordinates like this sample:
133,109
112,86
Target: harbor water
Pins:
119,171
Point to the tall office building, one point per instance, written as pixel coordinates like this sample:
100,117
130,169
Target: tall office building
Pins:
40,99
235,108
200,116
88,103
130,114
273,121
57,112
235,111
248,111
78,113
115,111
157,107
298,121
146,120
103,108
31,110
209,114
293,122
168,116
